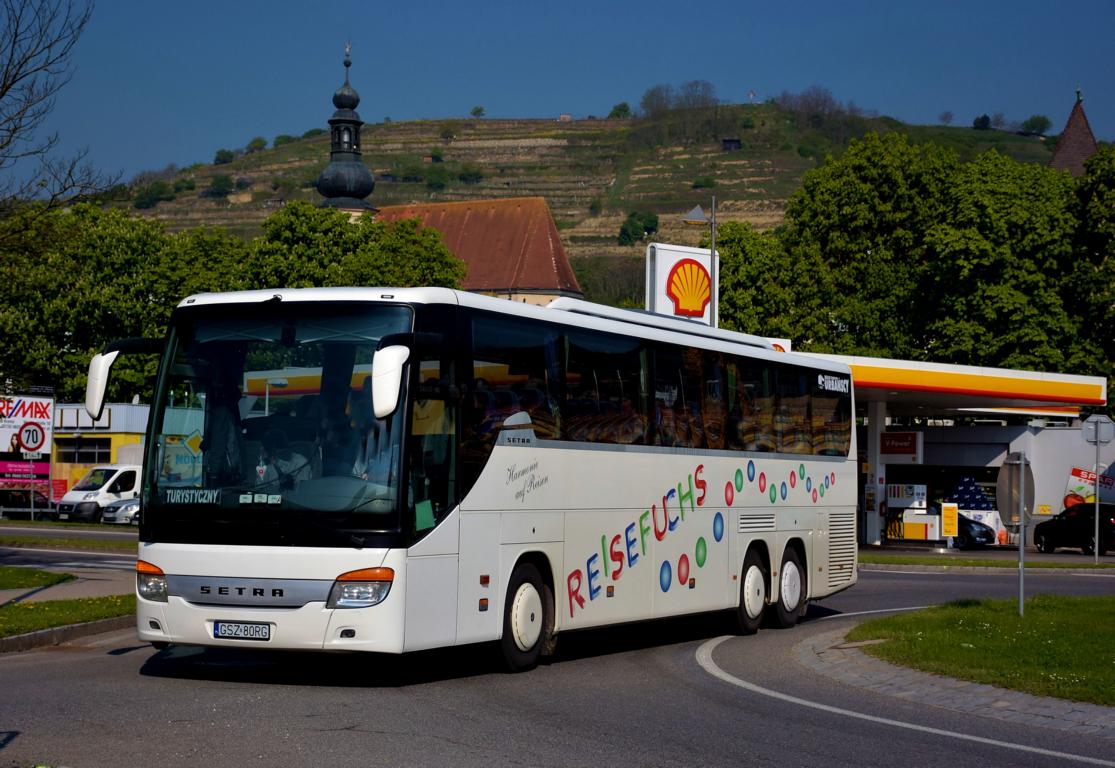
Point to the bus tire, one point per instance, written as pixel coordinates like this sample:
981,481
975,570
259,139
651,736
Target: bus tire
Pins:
791,591
752,594
528,619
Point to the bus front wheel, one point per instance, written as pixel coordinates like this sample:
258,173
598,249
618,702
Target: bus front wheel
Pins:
528,618
752,594
791,591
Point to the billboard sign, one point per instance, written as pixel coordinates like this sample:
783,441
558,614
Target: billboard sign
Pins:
26,440
901,447
679,282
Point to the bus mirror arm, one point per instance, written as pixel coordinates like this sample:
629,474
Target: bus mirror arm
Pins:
101,364
387,379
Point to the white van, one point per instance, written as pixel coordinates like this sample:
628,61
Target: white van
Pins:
101,486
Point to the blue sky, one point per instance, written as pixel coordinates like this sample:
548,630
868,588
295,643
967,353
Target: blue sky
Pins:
160,83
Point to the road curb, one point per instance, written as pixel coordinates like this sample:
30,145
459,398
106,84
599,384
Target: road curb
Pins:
63,634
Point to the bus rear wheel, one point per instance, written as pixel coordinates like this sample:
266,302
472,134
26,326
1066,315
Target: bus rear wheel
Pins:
791,591
752,594
528,619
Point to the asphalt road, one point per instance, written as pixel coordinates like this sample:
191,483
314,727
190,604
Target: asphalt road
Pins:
630,696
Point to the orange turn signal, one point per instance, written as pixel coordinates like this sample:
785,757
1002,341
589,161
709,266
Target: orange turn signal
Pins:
368,574
142,566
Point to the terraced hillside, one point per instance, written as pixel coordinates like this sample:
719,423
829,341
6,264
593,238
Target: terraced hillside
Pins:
592,172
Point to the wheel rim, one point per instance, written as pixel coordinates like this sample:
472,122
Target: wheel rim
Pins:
754,592
526,617
789,586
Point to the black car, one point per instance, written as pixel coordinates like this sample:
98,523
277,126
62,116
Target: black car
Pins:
972,533
21,502
1076,527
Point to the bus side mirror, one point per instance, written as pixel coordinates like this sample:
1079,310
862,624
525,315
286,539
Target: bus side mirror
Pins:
97,383
387,379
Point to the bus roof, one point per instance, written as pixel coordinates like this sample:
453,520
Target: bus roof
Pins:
565,311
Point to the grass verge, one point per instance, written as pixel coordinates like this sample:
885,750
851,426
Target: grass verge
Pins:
27,578
975,562
20,618
1062,647
52,542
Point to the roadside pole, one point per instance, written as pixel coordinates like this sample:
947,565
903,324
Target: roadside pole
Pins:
1014,496
1022,537
1098,430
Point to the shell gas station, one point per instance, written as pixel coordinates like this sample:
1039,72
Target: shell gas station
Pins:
933,433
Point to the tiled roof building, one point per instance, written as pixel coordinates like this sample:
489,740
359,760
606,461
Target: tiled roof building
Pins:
510,245
1077,142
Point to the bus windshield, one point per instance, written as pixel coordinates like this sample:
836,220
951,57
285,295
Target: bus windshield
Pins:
263,430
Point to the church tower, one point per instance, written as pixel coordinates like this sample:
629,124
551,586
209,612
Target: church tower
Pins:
346,181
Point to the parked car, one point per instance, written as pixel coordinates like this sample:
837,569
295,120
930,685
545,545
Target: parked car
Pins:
21,502
123,512
973,533
100,487
1076,527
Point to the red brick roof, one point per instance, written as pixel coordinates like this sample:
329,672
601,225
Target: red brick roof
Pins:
509,245
1077,142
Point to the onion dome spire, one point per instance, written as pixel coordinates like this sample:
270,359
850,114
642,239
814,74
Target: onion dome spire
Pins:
346,181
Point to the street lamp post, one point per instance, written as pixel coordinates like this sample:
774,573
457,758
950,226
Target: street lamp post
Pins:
697,216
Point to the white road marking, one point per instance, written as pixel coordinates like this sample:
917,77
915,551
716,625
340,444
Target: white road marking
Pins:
704,658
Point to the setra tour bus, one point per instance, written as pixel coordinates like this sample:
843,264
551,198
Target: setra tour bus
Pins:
367,469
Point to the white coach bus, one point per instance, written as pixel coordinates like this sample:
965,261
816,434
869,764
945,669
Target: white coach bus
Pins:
365,469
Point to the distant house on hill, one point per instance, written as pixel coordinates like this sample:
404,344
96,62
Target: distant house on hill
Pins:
1077,142
511,246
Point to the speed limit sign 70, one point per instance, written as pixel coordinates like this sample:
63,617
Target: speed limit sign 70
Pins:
32,436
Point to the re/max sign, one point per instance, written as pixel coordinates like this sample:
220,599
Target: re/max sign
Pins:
20,408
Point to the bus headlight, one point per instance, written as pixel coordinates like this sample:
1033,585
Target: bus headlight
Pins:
150,582
361,589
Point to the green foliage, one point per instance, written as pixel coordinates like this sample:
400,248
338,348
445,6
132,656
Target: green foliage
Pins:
437,176
449,130
638,226
124,275
470,174
314,132
243,182
224,157
595,206
437,155
281,139
704,182
185,184
621,111
306,246
219,186
1037,124
256,145
477,111
982,123
152,194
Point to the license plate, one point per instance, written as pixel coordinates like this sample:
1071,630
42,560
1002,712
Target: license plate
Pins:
241,630
63,516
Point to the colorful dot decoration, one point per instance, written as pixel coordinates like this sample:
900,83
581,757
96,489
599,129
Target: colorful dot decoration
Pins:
700,557
776,490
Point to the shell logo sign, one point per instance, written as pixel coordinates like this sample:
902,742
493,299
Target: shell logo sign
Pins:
688,285
679,282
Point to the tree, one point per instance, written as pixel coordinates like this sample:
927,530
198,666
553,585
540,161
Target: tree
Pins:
638,226
219,186
1037,124
696,94
281,139
998,263
998,120
224,157
256,145
37,39
945,118
620,111
865,215
304,246
982,123
657,101
477,111
1092,284
152,194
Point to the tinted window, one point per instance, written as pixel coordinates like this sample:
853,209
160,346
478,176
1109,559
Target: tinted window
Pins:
606,394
